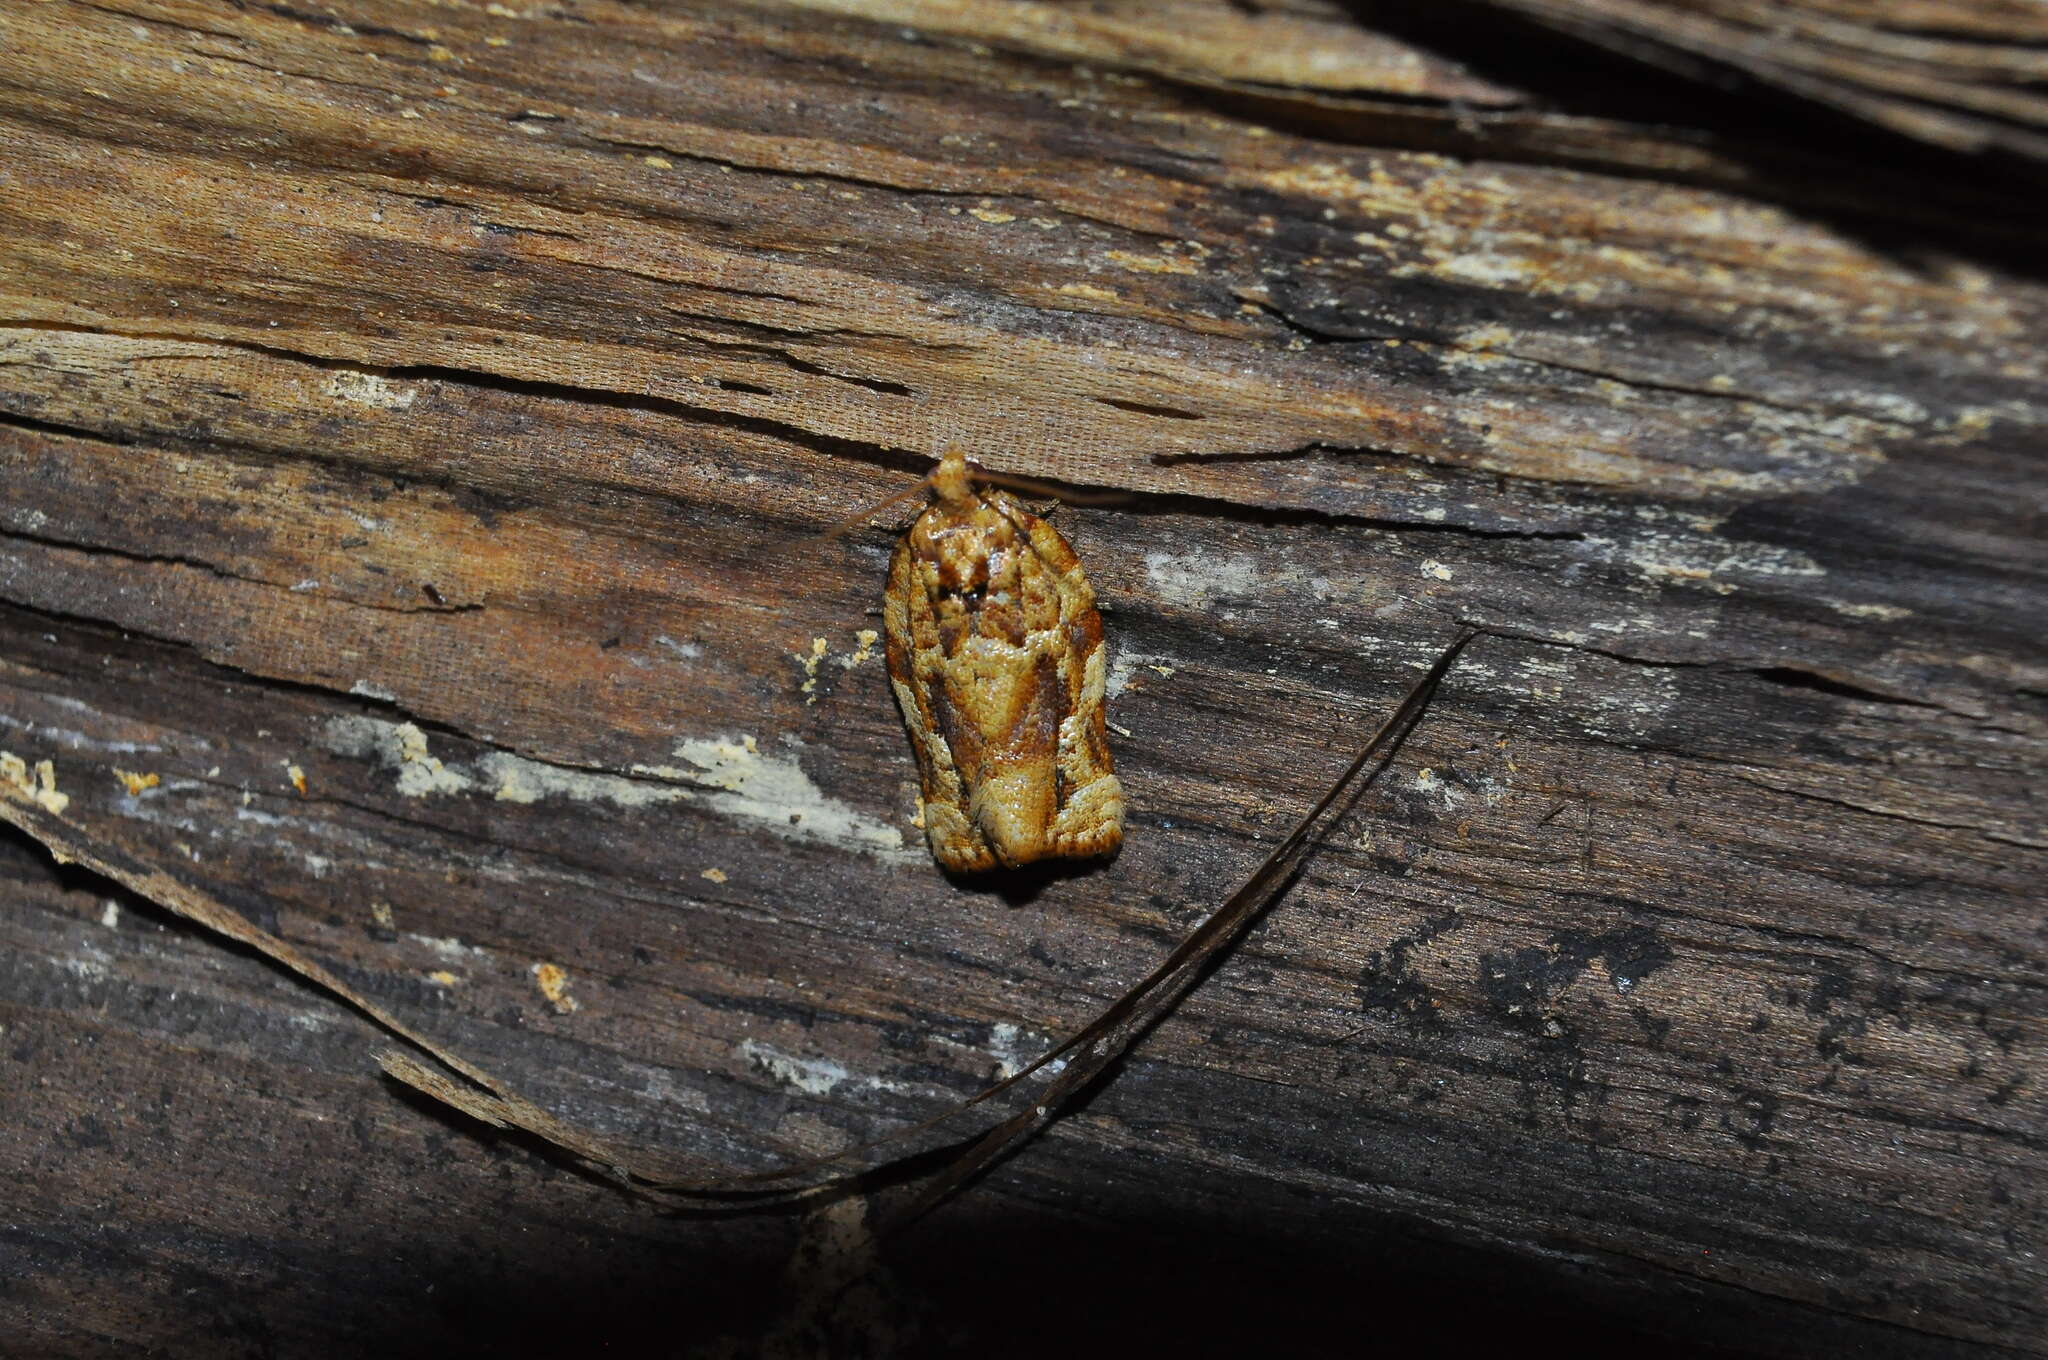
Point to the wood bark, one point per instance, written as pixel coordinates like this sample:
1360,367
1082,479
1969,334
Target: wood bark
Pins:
418,422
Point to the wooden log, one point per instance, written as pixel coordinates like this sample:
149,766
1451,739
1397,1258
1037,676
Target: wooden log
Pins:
418,422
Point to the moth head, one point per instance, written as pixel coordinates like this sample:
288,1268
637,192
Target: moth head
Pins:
953,479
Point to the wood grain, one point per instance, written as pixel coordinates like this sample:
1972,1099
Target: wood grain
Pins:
438,405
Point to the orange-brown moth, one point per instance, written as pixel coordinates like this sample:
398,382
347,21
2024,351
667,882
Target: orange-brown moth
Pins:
995,654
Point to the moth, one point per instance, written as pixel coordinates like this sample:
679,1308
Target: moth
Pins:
995,653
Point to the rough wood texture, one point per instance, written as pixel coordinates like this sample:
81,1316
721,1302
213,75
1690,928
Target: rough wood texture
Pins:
417,419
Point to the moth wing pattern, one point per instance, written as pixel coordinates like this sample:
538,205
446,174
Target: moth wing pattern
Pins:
995,655
911,639
1091,812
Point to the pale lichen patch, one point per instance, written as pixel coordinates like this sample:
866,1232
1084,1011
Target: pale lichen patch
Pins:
1485,338
812,1076
1124,668
402,748
450,948
515,779
779,797
1196,580
1015,1049
1432,786
1485,269
1887,612
1701,558
371,389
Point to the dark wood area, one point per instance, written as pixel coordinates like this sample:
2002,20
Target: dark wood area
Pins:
417,425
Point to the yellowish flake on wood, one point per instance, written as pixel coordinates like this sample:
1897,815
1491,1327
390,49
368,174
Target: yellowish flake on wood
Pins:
297,776
136,783
713,875
1090,291
554,985
991,215
38,786
866,638
809,688
1153,264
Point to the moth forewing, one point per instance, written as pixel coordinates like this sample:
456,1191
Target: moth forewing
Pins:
995,655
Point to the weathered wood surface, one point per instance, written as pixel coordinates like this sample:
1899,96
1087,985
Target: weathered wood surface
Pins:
1955,73
436,405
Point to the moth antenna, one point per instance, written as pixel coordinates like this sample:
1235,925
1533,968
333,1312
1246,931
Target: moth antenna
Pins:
1031,486
858,518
